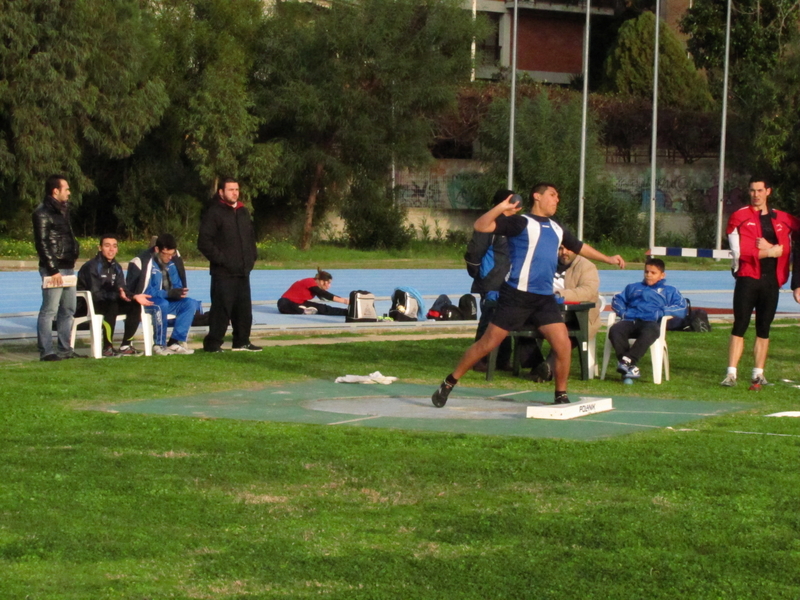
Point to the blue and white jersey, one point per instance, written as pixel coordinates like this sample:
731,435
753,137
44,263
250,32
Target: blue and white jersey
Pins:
155,283
533,249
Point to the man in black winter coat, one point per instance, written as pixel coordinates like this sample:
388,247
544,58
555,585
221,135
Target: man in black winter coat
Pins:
228,241
103,277
58,250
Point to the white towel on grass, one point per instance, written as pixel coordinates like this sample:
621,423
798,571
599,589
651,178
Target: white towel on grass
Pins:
375,377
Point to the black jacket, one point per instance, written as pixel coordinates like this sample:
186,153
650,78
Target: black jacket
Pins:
103,278
52,233
487,261
227,239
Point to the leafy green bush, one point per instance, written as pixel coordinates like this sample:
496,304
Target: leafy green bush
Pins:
607,217
373,220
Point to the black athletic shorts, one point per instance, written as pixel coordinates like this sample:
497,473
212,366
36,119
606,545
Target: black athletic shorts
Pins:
516,309
759,294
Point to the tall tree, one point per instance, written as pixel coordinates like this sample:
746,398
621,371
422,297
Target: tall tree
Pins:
764,89
208,57
629,66
351,89
75,79
547,148
760,31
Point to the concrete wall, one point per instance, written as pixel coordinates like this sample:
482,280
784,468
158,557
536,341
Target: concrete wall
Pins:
435,197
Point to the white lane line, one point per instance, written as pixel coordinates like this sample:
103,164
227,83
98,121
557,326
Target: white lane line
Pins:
356,420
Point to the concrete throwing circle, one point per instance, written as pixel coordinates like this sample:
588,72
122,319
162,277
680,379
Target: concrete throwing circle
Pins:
417,407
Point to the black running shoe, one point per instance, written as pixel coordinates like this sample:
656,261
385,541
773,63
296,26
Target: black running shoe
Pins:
439,397
247,348
561,399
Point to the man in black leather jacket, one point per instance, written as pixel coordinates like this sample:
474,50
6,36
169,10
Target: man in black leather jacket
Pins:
58,250
228,241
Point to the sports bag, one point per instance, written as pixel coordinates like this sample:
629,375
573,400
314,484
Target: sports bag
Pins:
468,307
699,322
444,310
439,310
696,320
404,306
361,308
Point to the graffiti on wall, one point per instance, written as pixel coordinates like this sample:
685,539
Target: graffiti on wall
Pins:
675,188
445,186
441,187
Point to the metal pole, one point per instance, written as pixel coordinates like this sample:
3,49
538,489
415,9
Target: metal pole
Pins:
721,184
653,148
582,181
474,45
513,98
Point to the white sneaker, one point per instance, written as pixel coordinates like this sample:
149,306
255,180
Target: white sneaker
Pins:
162,351
729,381
179,348
309,310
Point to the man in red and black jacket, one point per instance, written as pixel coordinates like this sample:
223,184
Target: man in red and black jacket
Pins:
760,239
228,241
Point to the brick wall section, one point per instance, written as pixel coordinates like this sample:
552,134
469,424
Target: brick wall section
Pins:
550,42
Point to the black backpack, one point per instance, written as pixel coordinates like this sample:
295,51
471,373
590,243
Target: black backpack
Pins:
404,307
468,307
696,320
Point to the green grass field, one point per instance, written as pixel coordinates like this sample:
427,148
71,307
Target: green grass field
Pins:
99,505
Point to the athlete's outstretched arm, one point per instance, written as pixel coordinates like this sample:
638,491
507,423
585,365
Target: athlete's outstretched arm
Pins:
592,254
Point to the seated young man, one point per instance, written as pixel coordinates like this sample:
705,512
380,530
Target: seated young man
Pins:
159,274
296,300
641,306
103,277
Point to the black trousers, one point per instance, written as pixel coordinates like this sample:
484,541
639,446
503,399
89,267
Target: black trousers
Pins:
645,332
488,308
110,309
287,307
230,303
759,294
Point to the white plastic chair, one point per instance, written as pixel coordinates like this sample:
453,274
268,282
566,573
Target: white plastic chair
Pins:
594,368
659,353
95,321
147,331
95,325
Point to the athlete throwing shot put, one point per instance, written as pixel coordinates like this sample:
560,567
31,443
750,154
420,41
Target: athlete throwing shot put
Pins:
533,242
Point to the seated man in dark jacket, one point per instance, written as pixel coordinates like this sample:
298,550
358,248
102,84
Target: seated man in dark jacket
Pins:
103,277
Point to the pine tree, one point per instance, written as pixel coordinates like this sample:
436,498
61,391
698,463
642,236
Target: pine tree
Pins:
629,66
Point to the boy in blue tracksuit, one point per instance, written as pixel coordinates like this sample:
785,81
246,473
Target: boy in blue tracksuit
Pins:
641,306
159,274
